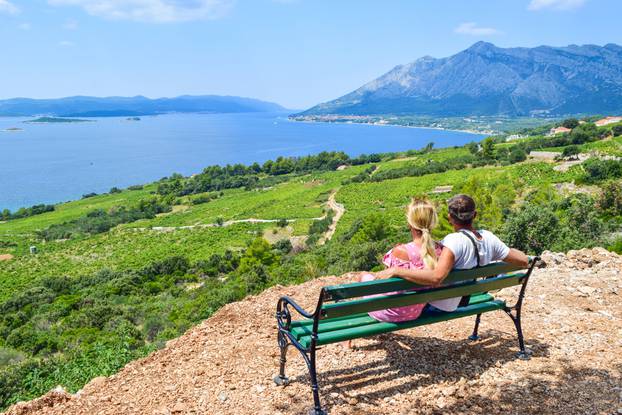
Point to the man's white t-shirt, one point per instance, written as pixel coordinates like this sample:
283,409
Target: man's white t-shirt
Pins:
491,249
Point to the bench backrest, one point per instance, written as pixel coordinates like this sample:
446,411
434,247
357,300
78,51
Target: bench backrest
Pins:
343,300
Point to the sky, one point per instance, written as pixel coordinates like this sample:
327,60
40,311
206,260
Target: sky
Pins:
293,52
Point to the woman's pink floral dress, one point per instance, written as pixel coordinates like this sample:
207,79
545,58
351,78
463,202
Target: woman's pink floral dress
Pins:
414,261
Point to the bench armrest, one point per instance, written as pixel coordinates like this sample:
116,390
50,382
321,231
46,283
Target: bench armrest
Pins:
283,315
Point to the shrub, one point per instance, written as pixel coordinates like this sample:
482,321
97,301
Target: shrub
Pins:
570,123
99,221
516,155
597,170
283,246
372,228
610,200
616,246
570,151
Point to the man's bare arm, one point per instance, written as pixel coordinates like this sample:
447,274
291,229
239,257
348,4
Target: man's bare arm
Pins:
517,257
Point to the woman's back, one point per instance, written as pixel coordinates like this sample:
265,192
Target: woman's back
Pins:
402,256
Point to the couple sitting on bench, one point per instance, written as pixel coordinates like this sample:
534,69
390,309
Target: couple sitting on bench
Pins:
426,262
436,282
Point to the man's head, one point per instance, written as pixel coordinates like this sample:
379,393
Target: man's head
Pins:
461,211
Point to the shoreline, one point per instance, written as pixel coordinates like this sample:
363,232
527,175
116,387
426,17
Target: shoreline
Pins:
487,133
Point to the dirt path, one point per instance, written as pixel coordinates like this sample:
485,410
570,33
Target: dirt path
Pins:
572,322
224,224
331,203
339,210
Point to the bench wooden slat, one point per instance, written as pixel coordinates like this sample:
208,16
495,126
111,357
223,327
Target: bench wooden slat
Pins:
302,328
360,289
362,305
383,327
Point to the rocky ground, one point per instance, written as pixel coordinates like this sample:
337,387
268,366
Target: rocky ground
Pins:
572,323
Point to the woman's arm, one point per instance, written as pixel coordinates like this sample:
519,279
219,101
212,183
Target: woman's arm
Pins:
424,276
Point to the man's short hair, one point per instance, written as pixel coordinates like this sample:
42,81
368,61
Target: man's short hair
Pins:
462,209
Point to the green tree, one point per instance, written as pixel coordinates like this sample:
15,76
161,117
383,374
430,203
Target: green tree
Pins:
473,147
617,130
610,200
532,228
372,228
488,148
570,123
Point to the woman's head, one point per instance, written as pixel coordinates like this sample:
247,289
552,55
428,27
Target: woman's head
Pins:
422,218
461,210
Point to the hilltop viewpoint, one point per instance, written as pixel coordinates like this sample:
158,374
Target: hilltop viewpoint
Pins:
572,321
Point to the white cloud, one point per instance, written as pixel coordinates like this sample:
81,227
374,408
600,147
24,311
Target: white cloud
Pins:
7,7
24,26
66,43
160,11
70,25
472,29
555,4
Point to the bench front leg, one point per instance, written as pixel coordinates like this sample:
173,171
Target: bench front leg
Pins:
515,312
317,407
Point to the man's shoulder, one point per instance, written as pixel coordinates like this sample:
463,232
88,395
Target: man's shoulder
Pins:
453,239
487,235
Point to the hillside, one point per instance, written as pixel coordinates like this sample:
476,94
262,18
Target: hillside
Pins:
113,277
83,106
488,80
225,364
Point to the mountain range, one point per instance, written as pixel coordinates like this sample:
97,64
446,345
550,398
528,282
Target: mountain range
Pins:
83,106
488,80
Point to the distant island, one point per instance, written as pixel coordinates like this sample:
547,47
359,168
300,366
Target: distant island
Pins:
86,107
49,120
13,130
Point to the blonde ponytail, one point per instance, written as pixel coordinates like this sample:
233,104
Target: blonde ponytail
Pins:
421,215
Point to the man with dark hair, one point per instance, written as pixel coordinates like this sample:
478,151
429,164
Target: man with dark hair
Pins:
463,249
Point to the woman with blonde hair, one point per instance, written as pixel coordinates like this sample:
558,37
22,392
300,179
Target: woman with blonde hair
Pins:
421,253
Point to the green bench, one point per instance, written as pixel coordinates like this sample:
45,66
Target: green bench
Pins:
341,311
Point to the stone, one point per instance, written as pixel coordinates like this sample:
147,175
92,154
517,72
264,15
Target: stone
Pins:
179,407
586,290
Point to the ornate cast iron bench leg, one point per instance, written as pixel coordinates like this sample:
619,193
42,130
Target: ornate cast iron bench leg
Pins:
474,336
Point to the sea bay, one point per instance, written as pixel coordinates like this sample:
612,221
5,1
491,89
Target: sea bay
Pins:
55,162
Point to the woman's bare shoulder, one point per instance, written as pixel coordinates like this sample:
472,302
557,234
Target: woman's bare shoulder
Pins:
400,252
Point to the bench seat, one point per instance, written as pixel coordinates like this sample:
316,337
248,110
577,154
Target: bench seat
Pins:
362,325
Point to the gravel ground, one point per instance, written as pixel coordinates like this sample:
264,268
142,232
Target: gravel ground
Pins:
572,322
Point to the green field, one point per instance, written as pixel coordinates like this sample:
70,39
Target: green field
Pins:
86,304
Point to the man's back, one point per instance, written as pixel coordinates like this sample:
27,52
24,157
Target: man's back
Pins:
489,247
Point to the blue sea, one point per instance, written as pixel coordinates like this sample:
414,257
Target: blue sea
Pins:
50,163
